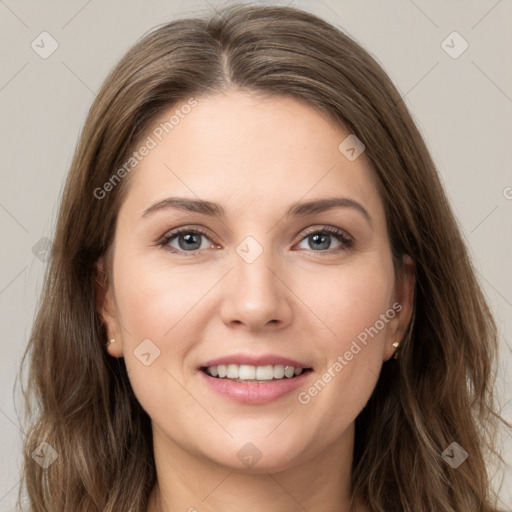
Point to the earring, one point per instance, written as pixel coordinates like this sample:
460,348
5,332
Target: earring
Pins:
395,345
109,342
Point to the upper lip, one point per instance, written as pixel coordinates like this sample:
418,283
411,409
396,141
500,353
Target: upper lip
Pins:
255,360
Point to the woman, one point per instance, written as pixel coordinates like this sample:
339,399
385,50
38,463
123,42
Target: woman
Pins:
258,297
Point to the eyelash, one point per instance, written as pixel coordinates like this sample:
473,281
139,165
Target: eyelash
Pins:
346,241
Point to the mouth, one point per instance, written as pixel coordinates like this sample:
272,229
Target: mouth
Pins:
254,385
246,373
254,379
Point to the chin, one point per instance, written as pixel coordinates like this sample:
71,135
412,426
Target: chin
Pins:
261,455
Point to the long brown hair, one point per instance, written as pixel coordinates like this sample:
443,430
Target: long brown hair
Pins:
440,390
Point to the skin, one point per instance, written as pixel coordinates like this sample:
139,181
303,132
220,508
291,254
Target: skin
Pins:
254,157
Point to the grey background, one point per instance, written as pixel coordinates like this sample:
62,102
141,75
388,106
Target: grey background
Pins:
463,107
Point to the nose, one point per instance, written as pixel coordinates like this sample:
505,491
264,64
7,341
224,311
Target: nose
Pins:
256,296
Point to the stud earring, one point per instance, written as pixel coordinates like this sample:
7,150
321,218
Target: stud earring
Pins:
109,342
395,345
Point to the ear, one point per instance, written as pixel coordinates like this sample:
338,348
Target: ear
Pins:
105,307
403,306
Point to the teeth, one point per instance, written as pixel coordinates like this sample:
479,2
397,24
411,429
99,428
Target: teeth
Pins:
289,371
264,372
246,372
249,372
232,371
278,371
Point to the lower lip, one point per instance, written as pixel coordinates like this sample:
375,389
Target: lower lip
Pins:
255,393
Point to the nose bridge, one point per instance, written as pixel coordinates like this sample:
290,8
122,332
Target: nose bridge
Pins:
256,295
252,274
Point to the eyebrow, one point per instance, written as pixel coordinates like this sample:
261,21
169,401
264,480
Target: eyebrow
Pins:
296,209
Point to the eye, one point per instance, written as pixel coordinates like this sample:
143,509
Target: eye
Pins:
186,240
321,239
190,241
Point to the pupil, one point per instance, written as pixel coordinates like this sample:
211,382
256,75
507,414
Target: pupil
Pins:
321,239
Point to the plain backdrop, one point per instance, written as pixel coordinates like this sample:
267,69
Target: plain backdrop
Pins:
460,98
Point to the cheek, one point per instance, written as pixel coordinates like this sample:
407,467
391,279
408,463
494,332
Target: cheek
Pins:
158,310
155,299
355,303
352,356
349,299
157,314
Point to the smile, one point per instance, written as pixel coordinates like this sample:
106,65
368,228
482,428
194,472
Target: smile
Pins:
251,373
254,391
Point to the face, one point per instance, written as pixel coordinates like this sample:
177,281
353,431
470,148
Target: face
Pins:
266,275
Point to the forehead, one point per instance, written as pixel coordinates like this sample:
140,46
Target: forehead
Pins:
235,148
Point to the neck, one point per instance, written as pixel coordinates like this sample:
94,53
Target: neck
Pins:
189,482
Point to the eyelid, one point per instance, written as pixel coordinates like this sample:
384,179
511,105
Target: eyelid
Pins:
317,228
346,239
188,228
185,229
